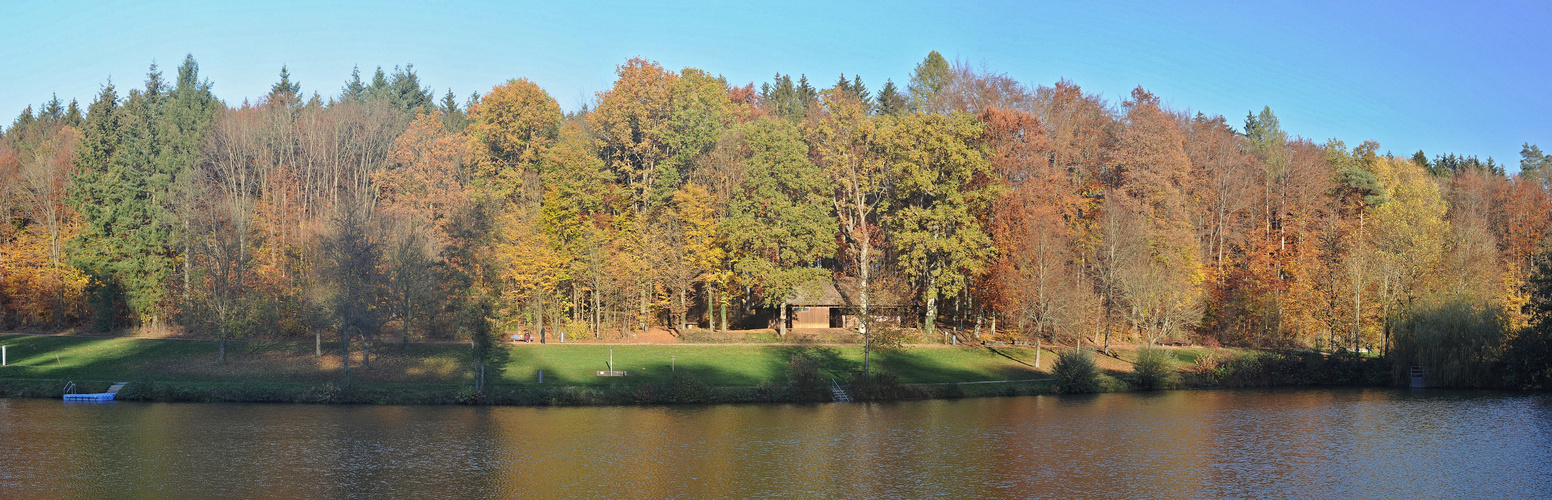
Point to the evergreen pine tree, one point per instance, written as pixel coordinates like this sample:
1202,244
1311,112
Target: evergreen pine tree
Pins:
379,87
53,110
73,114
452,116
405,92
890,102
285,92
355,90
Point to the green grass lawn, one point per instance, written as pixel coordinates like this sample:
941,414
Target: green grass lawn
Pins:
745,365
293,362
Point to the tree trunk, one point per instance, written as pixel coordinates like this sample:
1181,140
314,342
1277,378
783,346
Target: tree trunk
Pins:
864,275
782,326
318,343
186,269
932,303
1109,305
930,322
684,311
1037,350
642,311
345,337
404,329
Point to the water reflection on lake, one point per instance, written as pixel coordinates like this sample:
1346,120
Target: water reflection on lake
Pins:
1208,444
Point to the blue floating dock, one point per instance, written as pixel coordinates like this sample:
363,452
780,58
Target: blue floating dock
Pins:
101,397
98,397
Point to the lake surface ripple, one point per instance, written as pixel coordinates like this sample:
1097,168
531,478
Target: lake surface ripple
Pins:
1341,443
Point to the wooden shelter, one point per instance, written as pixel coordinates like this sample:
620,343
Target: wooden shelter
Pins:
825,306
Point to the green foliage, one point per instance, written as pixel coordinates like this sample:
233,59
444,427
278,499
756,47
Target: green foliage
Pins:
940,179
1076,372
683,388
890,102
929,78
127,188
787,100
1287,368
105,297
1456,342
285,93
1528,355
401,90
453,117
1268,140
855,89
881,385
1154,369
780,221
1361,183
355,89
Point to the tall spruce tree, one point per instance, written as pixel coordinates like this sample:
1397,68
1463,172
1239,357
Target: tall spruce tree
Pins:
890,102
124,246
285,92
355,90
93,195
130,163
190,110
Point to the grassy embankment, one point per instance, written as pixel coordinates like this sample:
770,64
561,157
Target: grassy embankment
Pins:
186,370
167,369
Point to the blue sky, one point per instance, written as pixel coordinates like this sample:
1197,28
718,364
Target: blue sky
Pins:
1469,78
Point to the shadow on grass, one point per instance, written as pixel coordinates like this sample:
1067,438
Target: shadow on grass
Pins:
916,366
910,365
828,358
1015,360
60,357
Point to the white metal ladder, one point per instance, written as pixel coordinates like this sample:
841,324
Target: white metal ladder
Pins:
837,393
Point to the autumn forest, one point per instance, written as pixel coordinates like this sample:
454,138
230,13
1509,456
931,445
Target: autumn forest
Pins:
960,200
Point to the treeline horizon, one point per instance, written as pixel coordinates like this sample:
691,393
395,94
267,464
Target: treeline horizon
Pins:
676,199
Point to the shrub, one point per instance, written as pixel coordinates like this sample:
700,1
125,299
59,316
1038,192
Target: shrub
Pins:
1076,372
644,393
768,392
881,385
684,389
803,377
1289,368
889,339
1528,360
1154,369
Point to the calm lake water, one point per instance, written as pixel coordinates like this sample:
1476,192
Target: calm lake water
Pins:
1188,444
